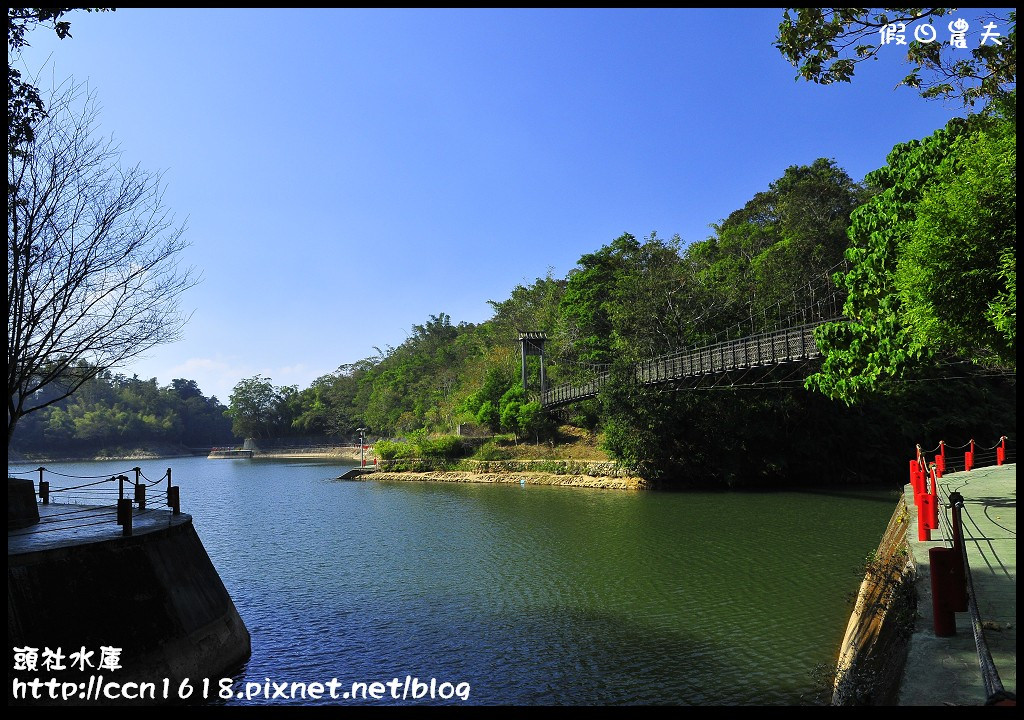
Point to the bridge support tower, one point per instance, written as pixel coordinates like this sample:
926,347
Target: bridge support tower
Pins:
532,343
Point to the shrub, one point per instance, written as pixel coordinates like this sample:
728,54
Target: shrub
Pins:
390,449
445,446
490,451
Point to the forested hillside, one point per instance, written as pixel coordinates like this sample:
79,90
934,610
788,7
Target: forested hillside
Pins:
113,413
929,354
928,350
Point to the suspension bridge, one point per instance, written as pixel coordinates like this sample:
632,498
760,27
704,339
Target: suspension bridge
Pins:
780,335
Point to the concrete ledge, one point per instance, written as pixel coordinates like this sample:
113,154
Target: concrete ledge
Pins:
155,595
21,503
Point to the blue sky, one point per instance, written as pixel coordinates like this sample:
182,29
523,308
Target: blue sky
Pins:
345,173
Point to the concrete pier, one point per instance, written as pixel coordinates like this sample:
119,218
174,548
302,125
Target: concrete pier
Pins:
75,583
946,670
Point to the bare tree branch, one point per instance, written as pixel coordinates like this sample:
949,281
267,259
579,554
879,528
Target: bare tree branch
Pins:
92,259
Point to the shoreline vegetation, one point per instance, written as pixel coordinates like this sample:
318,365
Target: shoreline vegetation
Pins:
578,460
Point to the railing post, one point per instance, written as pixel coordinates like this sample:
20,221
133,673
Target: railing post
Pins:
1001,451
44,487
140,495
173,495
922,498
969,458
124,508
958,597
941,458
124,516
940,564
934,519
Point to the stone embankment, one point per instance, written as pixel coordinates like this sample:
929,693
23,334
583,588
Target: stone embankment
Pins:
605,482
874,649
574,473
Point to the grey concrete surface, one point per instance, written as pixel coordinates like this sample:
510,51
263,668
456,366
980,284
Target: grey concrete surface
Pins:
947,670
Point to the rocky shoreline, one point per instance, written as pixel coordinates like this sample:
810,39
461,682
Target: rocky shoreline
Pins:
603,482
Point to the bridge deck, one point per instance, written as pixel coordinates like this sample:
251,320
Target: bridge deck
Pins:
795,344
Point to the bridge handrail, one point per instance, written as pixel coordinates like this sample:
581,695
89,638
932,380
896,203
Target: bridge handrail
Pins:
566,392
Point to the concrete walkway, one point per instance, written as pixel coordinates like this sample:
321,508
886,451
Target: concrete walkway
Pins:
946,670
62,525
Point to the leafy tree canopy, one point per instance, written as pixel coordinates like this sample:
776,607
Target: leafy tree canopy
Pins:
933,277
826,45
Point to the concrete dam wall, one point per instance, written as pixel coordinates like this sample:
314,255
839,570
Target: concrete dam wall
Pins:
155,595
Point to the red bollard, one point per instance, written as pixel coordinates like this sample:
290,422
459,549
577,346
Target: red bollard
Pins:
934,519
942,457
917,477
924,533
941,562
937,465
1001,451
968,461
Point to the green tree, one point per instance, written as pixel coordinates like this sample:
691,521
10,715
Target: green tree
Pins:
826,45
955,276
254,408
929,277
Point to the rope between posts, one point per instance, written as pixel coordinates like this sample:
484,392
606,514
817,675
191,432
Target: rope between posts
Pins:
91,501
85,513
76,487
80,477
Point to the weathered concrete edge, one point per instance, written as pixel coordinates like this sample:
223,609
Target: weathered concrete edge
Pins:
874,649
156,595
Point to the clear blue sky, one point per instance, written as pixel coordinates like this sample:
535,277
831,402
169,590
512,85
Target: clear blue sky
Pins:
345,174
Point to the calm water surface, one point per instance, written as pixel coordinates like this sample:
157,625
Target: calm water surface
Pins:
532,595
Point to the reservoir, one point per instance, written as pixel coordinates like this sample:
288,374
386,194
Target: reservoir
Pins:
533,595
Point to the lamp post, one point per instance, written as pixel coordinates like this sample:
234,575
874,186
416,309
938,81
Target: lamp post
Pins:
362,462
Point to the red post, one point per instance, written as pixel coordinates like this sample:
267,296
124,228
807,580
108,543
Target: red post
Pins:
942,457
1001,451
934,519
969,459
937,465
924,533
940,563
